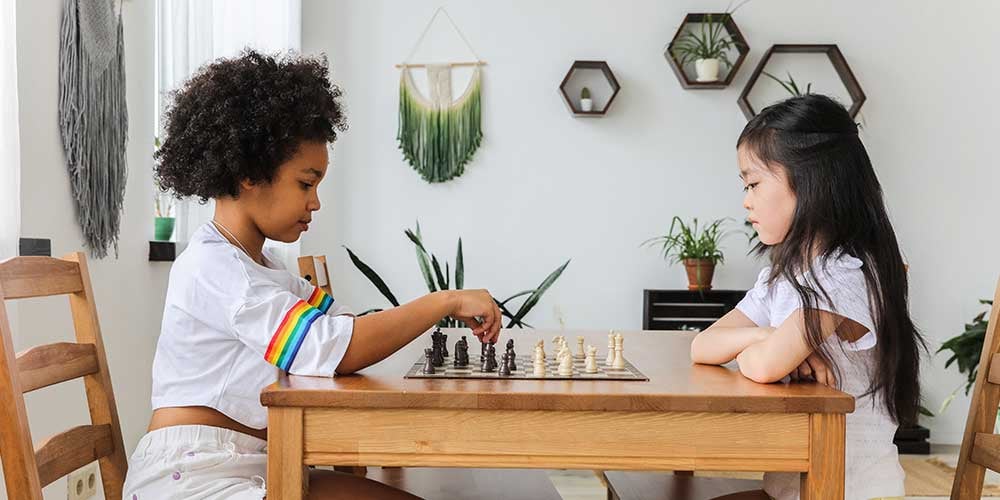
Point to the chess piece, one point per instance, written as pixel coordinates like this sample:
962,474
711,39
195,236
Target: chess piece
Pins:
579,348
566,366
539,367
490,363
462,352
482,353
590,363
619,361
513,356
444,346
428,362
611,349
504,365
541,345
438,352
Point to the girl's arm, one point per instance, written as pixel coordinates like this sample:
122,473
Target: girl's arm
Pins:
727,337
378,335
784,350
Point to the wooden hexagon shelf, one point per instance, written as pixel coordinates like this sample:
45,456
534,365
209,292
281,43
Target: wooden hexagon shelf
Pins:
735,35
837,59
571,84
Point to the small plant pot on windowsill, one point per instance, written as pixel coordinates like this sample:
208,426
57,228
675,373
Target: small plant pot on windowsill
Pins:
700,272
163,228
707,70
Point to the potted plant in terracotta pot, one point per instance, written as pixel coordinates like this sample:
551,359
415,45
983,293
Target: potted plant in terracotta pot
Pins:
707,47
697,248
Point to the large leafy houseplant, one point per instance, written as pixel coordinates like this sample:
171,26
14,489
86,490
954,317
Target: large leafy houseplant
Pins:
436,279
698,248
966,349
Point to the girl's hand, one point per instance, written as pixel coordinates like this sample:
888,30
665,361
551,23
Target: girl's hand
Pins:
478,310
813,368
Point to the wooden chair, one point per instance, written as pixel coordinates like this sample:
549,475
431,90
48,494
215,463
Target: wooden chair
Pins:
441,483
980,446
27,469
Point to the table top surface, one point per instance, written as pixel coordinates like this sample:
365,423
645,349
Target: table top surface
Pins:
675,383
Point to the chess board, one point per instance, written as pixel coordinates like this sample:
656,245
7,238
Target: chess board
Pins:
525,370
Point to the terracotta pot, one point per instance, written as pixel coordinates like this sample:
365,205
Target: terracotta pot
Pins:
699,273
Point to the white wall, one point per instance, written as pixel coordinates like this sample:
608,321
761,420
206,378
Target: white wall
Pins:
129,290
545,186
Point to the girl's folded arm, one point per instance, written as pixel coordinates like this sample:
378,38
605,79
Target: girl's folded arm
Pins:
727,337
783,350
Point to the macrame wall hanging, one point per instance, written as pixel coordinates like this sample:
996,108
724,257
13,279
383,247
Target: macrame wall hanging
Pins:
93,119
439,135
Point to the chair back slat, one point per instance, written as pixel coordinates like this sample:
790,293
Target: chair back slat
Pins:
980,447
50,364
27,470
313,269
69,450
29,277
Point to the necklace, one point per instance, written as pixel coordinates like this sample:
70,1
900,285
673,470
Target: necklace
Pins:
233,236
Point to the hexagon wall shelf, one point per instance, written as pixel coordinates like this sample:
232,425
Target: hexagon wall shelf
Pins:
734,33
568,82
836,59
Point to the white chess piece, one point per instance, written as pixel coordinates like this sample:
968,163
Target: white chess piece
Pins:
591,360
539,366
611,349
566,366
619,361
579,348
541,345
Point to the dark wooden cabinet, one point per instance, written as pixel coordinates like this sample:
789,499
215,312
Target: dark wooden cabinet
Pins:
686,309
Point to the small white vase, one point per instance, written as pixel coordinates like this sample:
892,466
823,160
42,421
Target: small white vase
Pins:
586,104
707,70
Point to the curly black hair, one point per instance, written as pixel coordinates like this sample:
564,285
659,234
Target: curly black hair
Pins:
240,118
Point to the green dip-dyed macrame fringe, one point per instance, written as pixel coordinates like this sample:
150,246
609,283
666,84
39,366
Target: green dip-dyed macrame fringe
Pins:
439,141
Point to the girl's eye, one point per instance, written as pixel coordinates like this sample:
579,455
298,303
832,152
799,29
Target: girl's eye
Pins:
749,186
306,185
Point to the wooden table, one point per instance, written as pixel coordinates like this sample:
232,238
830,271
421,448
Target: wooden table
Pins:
686,417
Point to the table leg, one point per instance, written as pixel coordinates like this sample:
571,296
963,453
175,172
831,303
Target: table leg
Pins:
285,477
825,478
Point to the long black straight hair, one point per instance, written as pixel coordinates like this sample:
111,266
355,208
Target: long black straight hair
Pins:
839,209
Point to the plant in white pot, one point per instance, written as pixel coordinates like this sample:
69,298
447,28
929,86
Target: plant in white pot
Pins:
707,47
586,104
697,249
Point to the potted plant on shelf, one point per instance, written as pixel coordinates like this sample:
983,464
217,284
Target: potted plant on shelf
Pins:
790,85
708,47
586,104
697,249
163,206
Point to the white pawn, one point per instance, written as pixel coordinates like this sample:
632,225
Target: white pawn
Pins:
579,348
591,361
619,361
566,366
611,349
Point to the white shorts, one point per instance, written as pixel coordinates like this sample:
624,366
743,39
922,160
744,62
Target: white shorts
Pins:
197,462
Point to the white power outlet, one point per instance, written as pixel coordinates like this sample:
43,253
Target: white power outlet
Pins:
82,483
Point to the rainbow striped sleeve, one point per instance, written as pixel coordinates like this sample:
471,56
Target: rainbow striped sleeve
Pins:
320,300
290,334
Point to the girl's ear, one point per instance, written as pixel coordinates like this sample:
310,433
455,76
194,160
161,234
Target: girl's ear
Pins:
248,185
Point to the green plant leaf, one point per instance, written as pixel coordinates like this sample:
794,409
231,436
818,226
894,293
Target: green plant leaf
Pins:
533,299
373,277
459,268
437,272
422,259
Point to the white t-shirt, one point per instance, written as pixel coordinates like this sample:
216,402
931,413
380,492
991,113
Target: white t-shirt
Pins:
872,467
230,325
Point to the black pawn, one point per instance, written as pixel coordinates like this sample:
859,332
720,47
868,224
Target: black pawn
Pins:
511,360
428,362
505,366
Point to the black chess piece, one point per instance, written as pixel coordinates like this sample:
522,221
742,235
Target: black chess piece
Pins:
482,353
428,362
444,344
462,352
438,353
511,354
491,357
505,365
